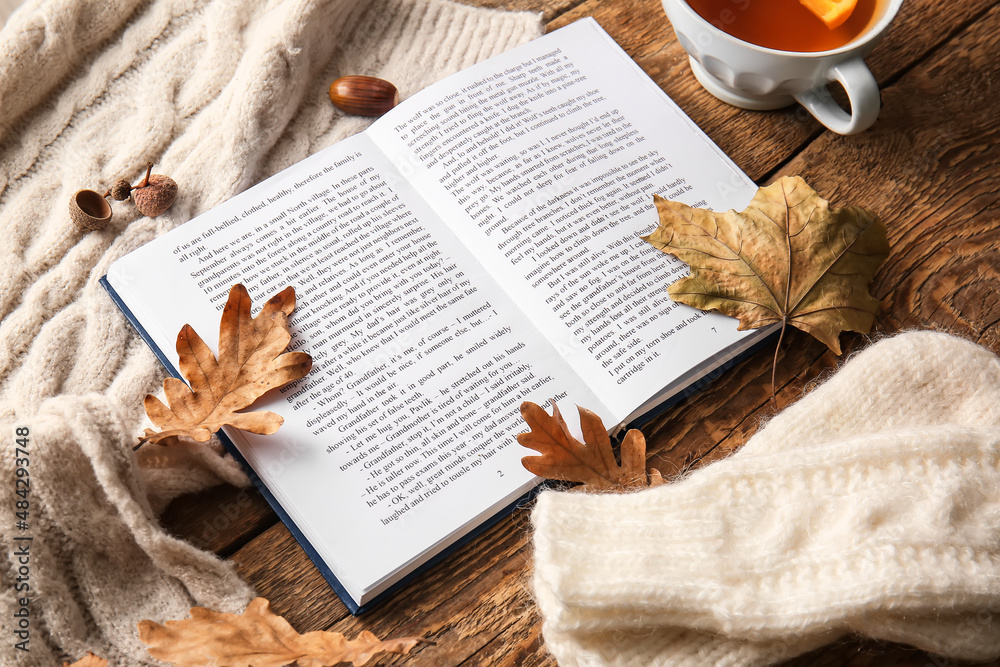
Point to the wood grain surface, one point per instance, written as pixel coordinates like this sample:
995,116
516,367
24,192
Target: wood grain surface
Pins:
928,166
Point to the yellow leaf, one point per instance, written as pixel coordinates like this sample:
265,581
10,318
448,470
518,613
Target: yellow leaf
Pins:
257,638
250,363
591,462
788,257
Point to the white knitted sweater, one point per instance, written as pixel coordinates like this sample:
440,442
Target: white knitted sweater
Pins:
218,94
871,506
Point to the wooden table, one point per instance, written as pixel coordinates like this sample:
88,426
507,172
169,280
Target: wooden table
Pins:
929,166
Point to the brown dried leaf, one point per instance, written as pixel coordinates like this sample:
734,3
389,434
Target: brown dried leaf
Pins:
89,660
591,462
788,257
257,638
250,363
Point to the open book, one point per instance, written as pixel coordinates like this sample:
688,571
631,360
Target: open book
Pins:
476,247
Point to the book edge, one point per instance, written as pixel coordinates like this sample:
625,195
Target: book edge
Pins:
354,607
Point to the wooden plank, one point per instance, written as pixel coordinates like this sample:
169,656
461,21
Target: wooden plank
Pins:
220,519
758,141
275,564
461,604
942,273
519,645
928,166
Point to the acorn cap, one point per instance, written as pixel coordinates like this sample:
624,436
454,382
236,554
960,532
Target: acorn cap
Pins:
156,196
89,210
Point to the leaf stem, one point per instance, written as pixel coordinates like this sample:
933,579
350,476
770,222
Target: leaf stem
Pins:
788,292
774,363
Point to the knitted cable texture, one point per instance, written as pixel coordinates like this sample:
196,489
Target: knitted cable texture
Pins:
219,94
870,506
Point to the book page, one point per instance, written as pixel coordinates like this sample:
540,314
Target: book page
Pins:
403,432
544,161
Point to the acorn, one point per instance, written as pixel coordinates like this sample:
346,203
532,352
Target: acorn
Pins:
89,210
363,95
121,190
154,195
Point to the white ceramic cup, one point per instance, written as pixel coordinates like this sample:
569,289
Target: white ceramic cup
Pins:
755,77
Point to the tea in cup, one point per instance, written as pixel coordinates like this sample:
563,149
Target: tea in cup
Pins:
768,54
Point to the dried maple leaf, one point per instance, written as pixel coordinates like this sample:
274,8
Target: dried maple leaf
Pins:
250,363
89,660
257,638
788,257
592,462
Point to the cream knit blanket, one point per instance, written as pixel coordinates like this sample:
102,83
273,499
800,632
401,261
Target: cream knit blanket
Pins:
219,94
871,506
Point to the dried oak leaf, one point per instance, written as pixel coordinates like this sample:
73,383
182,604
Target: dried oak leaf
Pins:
788,257
89,660
257,638
592,462
250,363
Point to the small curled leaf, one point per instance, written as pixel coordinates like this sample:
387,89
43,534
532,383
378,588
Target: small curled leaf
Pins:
592,462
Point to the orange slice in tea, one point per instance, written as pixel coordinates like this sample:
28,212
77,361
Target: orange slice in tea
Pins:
831,12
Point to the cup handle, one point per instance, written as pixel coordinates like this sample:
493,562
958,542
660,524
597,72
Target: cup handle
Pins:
862,91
